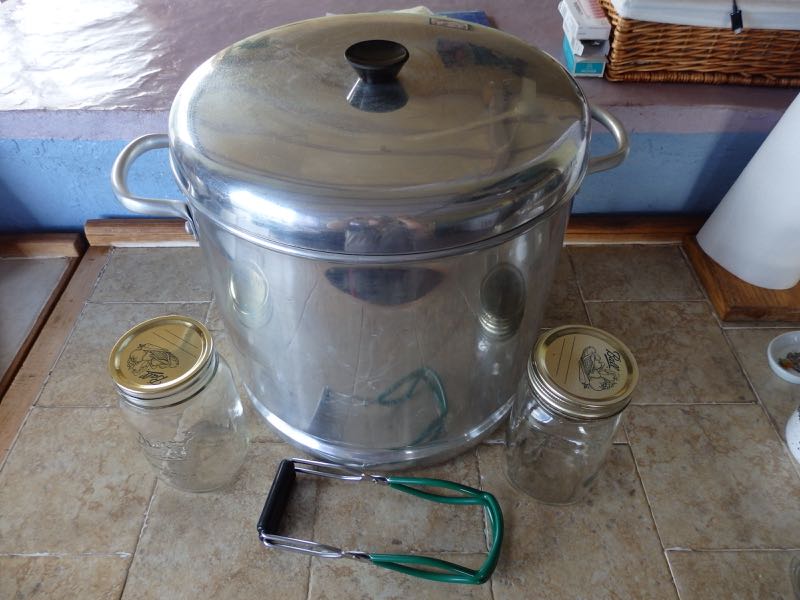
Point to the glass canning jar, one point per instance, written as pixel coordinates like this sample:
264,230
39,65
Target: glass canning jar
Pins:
567,409
179,396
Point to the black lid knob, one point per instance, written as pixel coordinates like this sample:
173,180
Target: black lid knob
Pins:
377,61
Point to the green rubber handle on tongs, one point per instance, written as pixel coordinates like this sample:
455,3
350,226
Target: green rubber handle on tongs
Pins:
436,569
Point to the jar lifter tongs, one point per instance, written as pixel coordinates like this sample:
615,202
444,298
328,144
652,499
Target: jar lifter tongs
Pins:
418,566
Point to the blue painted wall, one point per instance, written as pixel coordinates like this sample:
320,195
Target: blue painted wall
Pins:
50,185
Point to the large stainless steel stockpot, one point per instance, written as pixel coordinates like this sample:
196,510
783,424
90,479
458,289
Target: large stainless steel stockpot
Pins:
381,202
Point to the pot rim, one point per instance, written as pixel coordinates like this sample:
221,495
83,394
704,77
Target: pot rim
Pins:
382,259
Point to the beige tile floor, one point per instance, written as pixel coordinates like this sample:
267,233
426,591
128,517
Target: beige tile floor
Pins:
699,500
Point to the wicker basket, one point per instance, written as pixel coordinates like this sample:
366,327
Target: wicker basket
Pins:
659,52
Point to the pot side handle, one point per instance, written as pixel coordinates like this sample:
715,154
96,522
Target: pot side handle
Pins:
154,207
615,127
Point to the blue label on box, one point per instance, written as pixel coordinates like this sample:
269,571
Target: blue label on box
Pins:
473,16
578,65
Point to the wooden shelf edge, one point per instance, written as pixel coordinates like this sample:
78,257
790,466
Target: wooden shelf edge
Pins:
42,245
138,232
30,378
642,225
735,300
582,229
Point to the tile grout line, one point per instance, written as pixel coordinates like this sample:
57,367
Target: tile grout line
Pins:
148,301
580,288
52,406
750,326
730,550
13,443
694,403
649,300
81,406
208,312
671,573
485,521
747,378
742,368
699,284
139,538
68,337
652,514
476,454
68,554
102,272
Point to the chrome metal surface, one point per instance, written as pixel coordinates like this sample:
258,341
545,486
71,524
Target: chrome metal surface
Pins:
157,207
309,547
615,128
380,268
384,365
491,133
334,471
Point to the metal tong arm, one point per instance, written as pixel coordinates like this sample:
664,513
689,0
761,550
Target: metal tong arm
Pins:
426,567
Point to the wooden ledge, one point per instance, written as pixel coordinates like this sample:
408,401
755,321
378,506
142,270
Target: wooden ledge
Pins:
582,229
138,232
42,245
737,300
631,229
69,246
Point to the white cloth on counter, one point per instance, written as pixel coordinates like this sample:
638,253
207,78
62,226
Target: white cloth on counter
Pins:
757,14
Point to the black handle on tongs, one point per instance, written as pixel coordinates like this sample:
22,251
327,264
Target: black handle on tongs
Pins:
277,499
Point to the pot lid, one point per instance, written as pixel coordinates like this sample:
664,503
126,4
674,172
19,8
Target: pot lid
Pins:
378,134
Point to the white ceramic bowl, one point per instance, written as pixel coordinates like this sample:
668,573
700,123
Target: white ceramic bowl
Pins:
778,348
793,435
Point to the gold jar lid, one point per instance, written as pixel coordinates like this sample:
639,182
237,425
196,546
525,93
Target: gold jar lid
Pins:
160,357
582,372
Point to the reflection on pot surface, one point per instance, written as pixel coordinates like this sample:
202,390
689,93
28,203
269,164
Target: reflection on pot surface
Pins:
420,392
370,364
502,301
385,286
249,294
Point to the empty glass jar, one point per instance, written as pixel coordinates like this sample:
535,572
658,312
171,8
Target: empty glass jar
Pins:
179,396
566,412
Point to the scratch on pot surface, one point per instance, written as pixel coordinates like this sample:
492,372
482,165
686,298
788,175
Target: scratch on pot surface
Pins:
303,313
